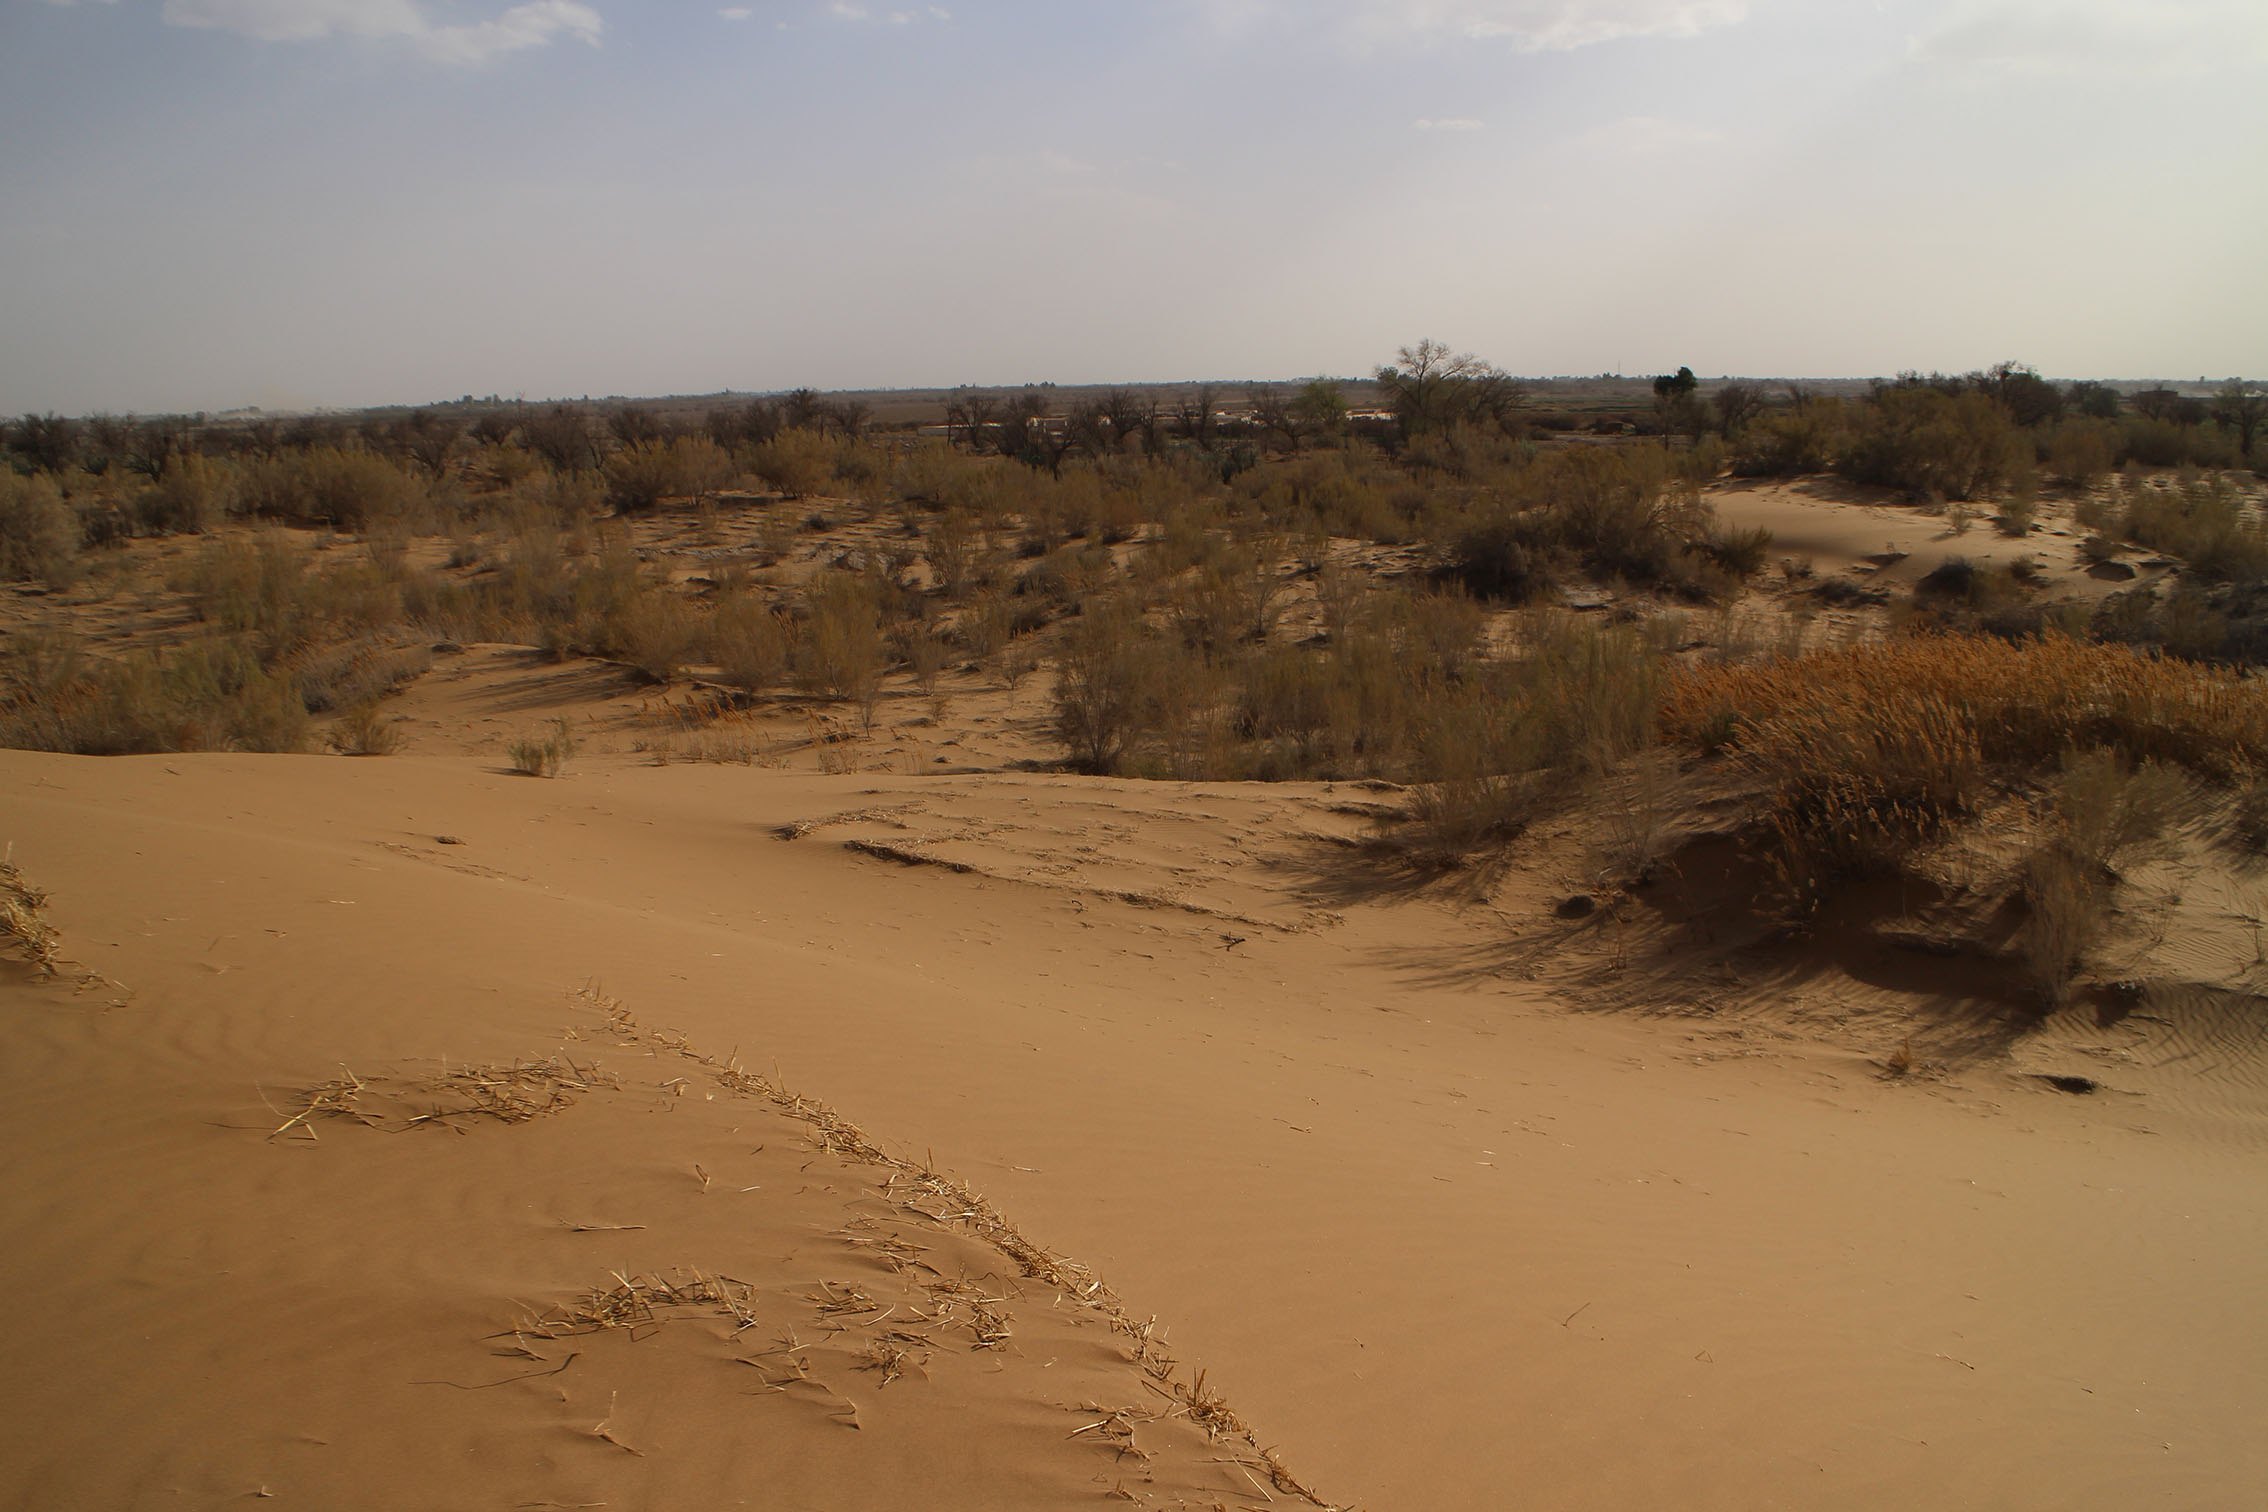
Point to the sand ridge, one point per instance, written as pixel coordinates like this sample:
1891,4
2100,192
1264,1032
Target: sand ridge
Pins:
1440,1239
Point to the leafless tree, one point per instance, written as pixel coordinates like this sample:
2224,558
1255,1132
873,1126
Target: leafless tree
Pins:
430,439
1736,404
1193,415
973,416
50,443
2243,408
561,436
635,426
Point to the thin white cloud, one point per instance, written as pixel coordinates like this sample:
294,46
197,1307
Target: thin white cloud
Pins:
735,12
1525,25
1452,123
851,10
1643,136
536,23
2107,37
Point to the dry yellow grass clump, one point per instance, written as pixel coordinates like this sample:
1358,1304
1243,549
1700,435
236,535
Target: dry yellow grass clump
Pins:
22,928
1866,751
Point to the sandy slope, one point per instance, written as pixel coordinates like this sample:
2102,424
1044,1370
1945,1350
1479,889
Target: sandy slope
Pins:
1444,1239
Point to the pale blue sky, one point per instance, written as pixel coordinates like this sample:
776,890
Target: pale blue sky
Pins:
212,203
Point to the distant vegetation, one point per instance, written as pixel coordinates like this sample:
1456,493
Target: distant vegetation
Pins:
1267,584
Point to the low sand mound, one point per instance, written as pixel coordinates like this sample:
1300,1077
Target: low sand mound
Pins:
1448,1244
620,1273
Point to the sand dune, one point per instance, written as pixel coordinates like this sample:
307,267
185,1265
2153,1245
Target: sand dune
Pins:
1442,1237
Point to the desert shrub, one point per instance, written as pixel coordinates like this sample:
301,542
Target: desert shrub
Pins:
354,490
1111,670
192,494
954,547
2205,523
795,463
2020,510
355,673
2078,452
750,643
1506,557
227,698
545,754
1742,553
364,730
2065,902
1864,753
39,532
561,436
2099,814
1578,699
1924,441
211,694
924,651
1791,442
656,632
643,474
269,588
840,651
2159,442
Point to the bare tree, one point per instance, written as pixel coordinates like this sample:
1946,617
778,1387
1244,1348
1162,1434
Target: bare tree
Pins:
561,436
1149,420
974,416
1736,404
2243,408
108,439
1193,415
50,443
1272,414
634,426
1123,410
430,439
1321,409
1431,388
495,427
803,409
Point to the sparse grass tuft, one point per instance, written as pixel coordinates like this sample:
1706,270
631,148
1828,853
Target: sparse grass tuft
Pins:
544,755
364,731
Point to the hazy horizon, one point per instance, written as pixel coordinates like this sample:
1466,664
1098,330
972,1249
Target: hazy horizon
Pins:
298,204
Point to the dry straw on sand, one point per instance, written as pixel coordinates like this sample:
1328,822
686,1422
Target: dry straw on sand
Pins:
511,1094
23,930
919,1189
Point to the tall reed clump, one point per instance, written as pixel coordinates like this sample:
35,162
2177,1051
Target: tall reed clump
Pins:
1865,753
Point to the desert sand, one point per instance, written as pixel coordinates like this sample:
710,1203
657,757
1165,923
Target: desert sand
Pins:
887,1124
